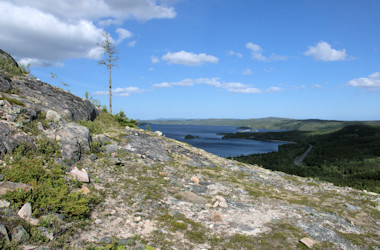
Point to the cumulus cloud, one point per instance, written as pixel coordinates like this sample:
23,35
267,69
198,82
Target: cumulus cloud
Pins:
108,10
123,34
257,54
121,91
324,52
188,58
233,87
233,53
370,82
46,32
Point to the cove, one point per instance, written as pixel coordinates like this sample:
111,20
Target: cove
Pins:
210,139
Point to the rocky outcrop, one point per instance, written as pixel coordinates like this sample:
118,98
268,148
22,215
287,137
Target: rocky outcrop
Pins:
65,103
5,56
75,141
23,99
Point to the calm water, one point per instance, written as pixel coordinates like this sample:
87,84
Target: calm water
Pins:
209,140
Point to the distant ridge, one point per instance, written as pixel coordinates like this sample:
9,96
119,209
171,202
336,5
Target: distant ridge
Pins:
267,123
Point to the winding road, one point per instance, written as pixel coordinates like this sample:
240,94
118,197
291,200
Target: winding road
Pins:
298,160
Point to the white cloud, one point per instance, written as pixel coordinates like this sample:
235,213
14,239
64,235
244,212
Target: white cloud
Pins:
154,59
132,44
324,52
186,82
46,32
317,86
188,58
123,34
233,87
121,91
247,72
109,10
370,82
257,54
233,53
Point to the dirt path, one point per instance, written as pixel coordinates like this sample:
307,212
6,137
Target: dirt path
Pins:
299,160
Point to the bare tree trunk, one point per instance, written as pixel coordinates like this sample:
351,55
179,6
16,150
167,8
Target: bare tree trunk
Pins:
110,89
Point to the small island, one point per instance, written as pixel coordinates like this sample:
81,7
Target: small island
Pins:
189,137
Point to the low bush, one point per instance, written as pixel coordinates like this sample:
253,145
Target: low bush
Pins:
51,192
106,122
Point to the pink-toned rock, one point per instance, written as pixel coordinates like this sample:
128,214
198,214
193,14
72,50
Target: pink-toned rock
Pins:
84,190
308,242
25,211
216,217
4,203
114,154
80,175
220,198
6,186
195,180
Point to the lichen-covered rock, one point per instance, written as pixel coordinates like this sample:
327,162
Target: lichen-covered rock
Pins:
26,211
63,102
7,186
75,140
11,136
4,234
19,235
80,175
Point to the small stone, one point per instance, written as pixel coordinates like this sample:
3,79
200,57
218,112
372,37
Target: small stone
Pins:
80,175
116,222
93,157
98,221
159,133
33,221
308,242
51,115
137,219
114,154
220,198
4,234
19,235
195,180
163,174
191,197
107,240
223,204
45,233
84,190
26,211
4,203
216,217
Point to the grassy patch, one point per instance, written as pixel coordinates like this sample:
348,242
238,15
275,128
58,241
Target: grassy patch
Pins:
106,122
13,101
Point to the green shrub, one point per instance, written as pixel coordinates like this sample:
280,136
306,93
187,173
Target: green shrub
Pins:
8,68
51,192
106,122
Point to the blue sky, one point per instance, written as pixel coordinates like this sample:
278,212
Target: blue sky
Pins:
207,58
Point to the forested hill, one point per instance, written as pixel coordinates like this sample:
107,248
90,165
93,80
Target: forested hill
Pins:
347,157
268,123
